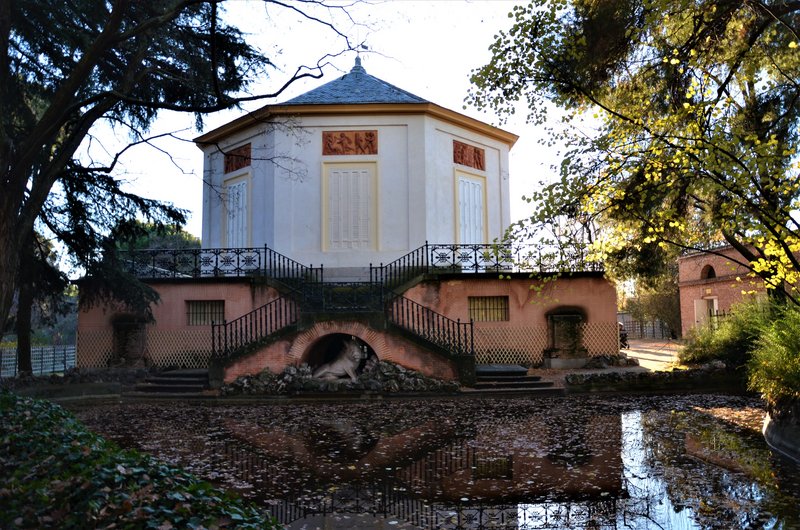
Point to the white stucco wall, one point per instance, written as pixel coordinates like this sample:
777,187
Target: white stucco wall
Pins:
415,194
441,192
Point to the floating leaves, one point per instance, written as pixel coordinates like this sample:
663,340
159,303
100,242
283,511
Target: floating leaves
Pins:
577,462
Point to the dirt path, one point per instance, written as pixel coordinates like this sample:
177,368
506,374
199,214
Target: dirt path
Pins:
654,354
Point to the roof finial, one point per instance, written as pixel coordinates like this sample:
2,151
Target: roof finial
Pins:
358,68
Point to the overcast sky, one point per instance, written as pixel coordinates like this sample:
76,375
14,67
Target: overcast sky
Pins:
427,48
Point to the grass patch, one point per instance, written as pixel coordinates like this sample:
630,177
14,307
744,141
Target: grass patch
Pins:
57,474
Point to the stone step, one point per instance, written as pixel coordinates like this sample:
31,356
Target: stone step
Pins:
136,394
534,391
169,388
167,380
513,384
508,378
182,381
492,370
186,372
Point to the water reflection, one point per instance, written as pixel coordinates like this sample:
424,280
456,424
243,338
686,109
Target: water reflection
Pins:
584,463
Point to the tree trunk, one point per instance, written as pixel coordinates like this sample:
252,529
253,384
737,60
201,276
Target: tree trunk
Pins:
26,294
23,328
9,265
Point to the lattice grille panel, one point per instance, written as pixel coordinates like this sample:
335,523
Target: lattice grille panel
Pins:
95,348
601,338
184,348
524,345
190,348
510,345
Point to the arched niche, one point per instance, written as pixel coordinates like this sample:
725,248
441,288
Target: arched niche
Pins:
565,329
129,339
708,272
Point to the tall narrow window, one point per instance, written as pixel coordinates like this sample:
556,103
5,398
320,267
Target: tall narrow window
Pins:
470,210
350,215
236,214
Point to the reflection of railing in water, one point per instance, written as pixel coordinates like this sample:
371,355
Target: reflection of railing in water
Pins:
382,500
393,498
437,465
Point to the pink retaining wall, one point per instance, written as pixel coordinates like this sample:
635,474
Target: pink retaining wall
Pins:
593,295
170,340
387,347
170,313
596,296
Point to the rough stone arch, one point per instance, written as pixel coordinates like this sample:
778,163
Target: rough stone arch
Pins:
305,341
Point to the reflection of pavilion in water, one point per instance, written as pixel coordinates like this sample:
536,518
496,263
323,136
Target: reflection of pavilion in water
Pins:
566,474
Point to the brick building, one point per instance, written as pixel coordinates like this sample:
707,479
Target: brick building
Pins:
711,284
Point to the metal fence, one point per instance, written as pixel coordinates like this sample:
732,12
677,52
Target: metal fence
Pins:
647,329
44,360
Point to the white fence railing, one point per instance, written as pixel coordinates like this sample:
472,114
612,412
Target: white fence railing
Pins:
44,360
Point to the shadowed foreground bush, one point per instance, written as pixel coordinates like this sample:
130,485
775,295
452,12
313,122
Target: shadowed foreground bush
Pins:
54,473
732,340
774,368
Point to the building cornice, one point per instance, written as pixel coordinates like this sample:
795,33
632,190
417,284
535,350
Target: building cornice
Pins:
264,114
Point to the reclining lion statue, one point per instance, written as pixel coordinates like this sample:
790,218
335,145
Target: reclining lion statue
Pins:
345,364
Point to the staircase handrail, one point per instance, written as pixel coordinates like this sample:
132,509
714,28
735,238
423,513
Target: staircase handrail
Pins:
453,335
402,270
258,324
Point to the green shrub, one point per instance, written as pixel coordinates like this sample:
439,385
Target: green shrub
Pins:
54,473
732,339
774,368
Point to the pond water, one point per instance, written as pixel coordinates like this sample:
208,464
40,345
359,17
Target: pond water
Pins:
643,462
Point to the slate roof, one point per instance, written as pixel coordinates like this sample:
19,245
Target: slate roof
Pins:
355,87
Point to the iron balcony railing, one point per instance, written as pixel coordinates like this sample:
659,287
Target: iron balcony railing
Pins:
479,258
216,262
227,337
453,335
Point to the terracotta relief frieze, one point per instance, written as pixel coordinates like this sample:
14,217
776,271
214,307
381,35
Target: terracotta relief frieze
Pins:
237,158
469,155
349,142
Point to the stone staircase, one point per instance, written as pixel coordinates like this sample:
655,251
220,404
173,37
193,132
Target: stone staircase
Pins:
184,381
509,378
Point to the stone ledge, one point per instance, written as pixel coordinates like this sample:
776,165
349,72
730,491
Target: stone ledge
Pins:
704,378
783,436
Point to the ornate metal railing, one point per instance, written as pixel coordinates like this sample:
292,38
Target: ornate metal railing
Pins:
216,262
343,297
507,257
478,258
453,335
227,337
